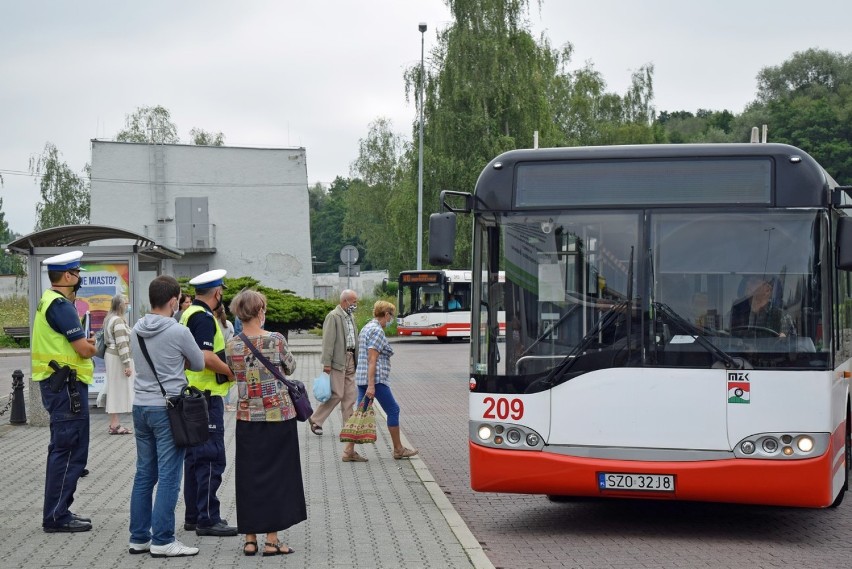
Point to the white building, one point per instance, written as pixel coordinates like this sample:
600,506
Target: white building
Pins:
240,209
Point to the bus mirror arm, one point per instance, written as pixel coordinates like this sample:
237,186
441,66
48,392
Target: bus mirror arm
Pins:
837,197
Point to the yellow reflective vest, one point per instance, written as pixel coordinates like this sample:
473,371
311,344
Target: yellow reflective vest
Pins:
48,344
206,379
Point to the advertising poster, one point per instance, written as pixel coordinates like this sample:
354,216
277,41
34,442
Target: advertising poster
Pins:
100,282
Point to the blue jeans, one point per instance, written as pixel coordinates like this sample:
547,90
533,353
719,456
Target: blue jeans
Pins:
385,397
158,462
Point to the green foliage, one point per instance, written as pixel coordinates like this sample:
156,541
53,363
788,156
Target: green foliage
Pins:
379,201
807,102
284,311
201,137
10,264
65,196
149,125
387,288
704,126
328,213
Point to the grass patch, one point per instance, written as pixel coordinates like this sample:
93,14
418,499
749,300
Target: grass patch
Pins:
14,311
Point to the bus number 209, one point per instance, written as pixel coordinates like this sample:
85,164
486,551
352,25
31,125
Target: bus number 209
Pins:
502,408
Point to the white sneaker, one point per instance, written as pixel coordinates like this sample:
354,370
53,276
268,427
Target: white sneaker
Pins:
136,548
173,549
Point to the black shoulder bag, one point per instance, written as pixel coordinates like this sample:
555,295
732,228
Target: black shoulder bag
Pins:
296,389
188,414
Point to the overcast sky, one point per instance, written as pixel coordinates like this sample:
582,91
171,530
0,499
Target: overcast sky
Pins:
315,73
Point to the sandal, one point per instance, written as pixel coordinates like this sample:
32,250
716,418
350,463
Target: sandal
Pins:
119,430
278,550
405,453
315,429
246,548
353,457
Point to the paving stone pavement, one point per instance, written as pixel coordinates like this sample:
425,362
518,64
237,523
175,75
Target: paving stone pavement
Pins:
383,513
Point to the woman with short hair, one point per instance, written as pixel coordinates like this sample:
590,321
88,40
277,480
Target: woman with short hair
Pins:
372,374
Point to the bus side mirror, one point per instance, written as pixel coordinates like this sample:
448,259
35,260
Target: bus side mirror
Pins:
844,243
442,238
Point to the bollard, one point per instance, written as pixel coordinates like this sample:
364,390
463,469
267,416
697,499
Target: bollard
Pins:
19,410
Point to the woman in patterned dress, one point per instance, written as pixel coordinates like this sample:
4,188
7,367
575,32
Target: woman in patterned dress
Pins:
270,495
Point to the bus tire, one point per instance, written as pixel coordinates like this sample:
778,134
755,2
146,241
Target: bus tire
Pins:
444,339
848,461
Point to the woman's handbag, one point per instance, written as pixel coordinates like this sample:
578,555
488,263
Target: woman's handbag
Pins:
322,387
360,427
188,415
296,389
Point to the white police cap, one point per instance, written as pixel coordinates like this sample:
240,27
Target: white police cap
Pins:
210,279
64,262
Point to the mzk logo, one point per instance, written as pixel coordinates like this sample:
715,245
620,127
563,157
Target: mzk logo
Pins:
739,387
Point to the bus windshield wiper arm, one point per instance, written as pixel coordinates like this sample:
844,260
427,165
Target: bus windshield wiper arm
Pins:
550,330
696,332
608,318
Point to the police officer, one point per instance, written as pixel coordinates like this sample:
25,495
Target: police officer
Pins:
59,338
204,464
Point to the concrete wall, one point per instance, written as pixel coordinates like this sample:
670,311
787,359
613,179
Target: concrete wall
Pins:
11,285
257,200
329,285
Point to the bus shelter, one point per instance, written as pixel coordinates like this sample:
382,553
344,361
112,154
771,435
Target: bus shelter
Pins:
122,262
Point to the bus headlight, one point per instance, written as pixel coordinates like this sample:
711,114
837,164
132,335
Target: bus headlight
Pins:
485,433
770,445
747,447
513,436
533,440
805,444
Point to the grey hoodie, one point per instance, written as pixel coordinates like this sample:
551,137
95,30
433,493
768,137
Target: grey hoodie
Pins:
170,345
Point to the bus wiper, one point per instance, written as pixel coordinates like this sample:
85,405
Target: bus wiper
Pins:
605,321
697,333
550,330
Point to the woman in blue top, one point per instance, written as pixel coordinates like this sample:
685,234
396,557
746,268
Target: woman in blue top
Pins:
373,372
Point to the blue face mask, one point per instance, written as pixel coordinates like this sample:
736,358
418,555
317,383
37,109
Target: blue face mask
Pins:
388,323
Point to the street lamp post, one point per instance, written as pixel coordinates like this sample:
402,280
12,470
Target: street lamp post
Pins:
422,28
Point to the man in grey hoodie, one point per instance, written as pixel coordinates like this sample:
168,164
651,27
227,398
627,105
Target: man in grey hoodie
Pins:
158,461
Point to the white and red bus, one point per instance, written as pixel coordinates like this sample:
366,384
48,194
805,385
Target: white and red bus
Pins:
679,324
434,303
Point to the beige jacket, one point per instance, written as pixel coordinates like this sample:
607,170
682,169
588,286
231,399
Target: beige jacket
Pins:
334,340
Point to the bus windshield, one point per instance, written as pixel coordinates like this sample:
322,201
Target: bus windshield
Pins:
652,288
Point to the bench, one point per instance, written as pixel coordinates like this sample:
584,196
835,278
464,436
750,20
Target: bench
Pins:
17,332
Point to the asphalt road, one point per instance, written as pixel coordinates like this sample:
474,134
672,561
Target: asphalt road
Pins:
430,383
516,531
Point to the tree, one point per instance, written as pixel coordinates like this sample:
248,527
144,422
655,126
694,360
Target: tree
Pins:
380,199
201,137
9,264
64,195
151,125
328,213
488,88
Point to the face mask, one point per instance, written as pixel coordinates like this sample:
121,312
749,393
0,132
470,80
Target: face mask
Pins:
78,284
388,322
175,310
351,308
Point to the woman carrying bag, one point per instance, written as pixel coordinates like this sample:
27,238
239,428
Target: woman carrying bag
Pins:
373,372
270,496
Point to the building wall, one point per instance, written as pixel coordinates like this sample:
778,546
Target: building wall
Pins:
257,201
328,286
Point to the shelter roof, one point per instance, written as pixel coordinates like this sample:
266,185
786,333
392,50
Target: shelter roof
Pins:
76,235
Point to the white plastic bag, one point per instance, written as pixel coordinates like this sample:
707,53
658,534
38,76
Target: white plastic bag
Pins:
322,387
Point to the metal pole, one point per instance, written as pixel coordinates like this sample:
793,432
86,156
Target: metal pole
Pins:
422,28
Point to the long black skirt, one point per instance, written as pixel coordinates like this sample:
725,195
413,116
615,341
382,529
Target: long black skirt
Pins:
268,477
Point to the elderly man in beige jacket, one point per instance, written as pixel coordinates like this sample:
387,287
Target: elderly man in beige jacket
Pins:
339,356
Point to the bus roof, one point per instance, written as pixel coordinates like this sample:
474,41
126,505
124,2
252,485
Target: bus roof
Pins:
771,175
